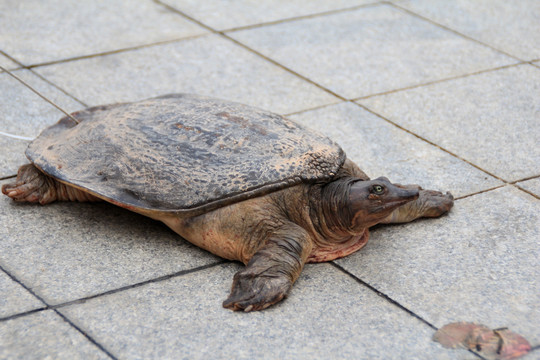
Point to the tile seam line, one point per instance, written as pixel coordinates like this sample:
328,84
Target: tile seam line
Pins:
298,75
112,52
448,79
253,51
428,141
526,191
433,22
105,293
39,93
22,314
139,284
506,182
314,108
24,67
48,307
382,295
85,334
299,17
390,300
15,279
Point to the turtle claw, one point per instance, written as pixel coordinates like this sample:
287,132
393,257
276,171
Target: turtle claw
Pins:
252,292
430,203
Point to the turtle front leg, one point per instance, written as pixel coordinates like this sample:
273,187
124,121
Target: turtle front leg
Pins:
430,203
272,270
34,186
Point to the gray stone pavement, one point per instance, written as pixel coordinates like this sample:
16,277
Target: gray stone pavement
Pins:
441,93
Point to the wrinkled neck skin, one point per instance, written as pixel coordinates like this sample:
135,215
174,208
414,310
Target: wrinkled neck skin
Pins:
324,211
330,211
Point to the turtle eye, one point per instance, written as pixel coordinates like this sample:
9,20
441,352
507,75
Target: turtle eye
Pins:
377,189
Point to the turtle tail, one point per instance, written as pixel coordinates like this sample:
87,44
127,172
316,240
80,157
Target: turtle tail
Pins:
33,186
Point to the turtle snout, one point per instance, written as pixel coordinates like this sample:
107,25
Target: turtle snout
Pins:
410,194
415,194
402,195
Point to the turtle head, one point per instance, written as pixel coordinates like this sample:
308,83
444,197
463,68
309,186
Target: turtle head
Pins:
372,201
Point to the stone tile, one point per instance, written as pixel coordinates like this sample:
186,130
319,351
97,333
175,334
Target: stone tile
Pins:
328,315
24,114
490,119
532,185
382,149
511,26
44,335
207,65
479,263
13,155
81,249
222,15
370,50
36,31
14,298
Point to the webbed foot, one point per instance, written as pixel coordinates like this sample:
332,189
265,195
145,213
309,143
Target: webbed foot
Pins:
434,203
252,291
430,203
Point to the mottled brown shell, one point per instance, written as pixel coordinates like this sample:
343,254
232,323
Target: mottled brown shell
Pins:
183,153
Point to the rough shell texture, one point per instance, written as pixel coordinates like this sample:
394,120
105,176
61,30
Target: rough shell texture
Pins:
182,153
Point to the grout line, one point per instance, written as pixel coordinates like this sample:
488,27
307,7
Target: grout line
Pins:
225,36
29,312
36,92
88,337
112,52
57,87
318,107
410,12
300,17
525,179
110,292
142,283
526,191
383,295
172,9
82,300
510,183
306,79
23,285
441,80
481,192
24,67
392,301
13,60
339,96
429,142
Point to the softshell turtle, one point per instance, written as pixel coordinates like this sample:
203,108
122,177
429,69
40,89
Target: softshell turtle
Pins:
240,182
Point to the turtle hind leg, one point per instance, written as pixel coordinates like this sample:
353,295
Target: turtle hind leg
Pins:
34,186
430,203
